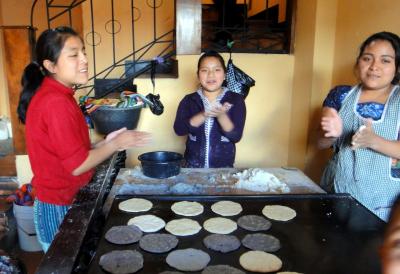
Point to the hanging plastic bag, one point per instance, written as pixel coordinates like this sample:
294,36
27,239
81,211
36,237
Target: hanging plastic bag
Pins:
237,80
156,107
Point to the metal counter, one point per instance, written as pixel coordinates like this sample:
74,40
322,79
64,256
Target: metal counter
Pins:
82,222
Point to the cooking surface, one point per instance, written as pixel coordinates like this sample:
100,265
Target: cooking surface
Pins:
330,234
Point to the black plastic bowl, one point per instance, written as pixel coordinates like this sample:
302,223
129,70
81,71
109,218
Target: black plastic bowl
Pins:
161,164
107,119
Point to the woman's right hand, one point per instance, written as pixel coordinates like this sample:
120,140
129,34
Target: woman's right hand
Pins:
116,141
217,110
130,138
331,123
114,134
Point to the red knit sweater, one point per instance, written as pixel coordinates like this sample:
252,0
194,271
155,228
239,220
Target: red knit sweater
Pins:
58,142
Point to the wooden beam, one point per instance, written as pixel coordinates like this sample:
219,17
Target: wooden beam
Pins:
7,166
188,26
18,45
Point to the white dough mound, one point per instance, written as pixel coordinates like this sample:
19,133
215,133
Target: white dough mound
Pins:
257,179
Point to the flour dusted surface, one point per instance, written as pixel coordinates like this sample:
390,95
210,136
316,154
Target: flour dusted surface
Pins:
257,179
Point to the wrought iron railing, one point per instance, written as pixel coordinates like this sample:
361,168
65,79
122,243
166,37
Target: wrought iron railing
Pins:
256,34
161,45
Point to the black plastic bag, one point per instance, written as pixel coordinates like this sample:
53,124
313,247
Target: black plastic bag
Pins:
237,80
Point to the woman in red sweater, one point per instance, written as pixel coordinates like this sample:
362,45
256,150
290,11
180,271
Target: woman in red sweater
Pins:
57,137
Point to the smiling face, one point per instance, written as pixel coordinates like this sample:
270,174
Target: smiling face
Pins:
376,66
211,74
71,67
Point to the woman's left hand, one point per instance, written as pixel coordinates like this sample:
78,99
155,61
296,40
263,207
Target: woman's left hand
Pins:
365,137
218,110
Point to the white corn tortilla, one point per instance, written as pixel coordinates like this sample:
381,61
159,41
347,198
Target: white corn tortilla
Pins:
220,225
226,208
260,261
135,205
183,227
288,272
186,208
147,223
278,212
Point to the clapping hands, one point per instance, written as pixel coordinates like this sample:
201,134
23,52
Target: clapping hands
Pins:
364,137
125,139
217,110
331,123
332,126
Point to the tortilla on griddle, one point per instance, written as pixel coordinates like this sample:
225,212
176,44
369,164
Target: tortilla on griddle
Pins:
123,234
221,243
135,205
186,208
121,261
158,242
147,223
221,269
220,225
253,223
288,272
262,242
183,227
260,261
226,208
278,212
189,259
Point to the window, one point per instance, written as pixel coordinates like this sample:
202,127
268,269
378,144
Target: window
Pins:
255,26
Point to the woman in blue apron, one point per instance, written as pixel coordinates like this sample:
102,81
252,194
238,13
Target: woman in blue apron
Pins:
361,123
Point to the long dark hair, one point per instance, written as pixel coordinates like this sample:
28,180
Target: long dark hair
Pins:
48,47
394,40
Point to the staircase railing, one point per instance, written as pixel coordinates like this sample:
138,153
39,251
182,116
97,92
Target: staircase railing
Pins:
162,45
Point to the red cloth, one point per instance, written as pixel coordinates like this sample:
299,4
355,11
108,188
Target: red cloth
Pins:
57,140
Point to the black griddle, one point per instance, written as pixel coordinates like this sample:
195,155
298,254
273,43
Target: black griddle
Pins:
331,234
